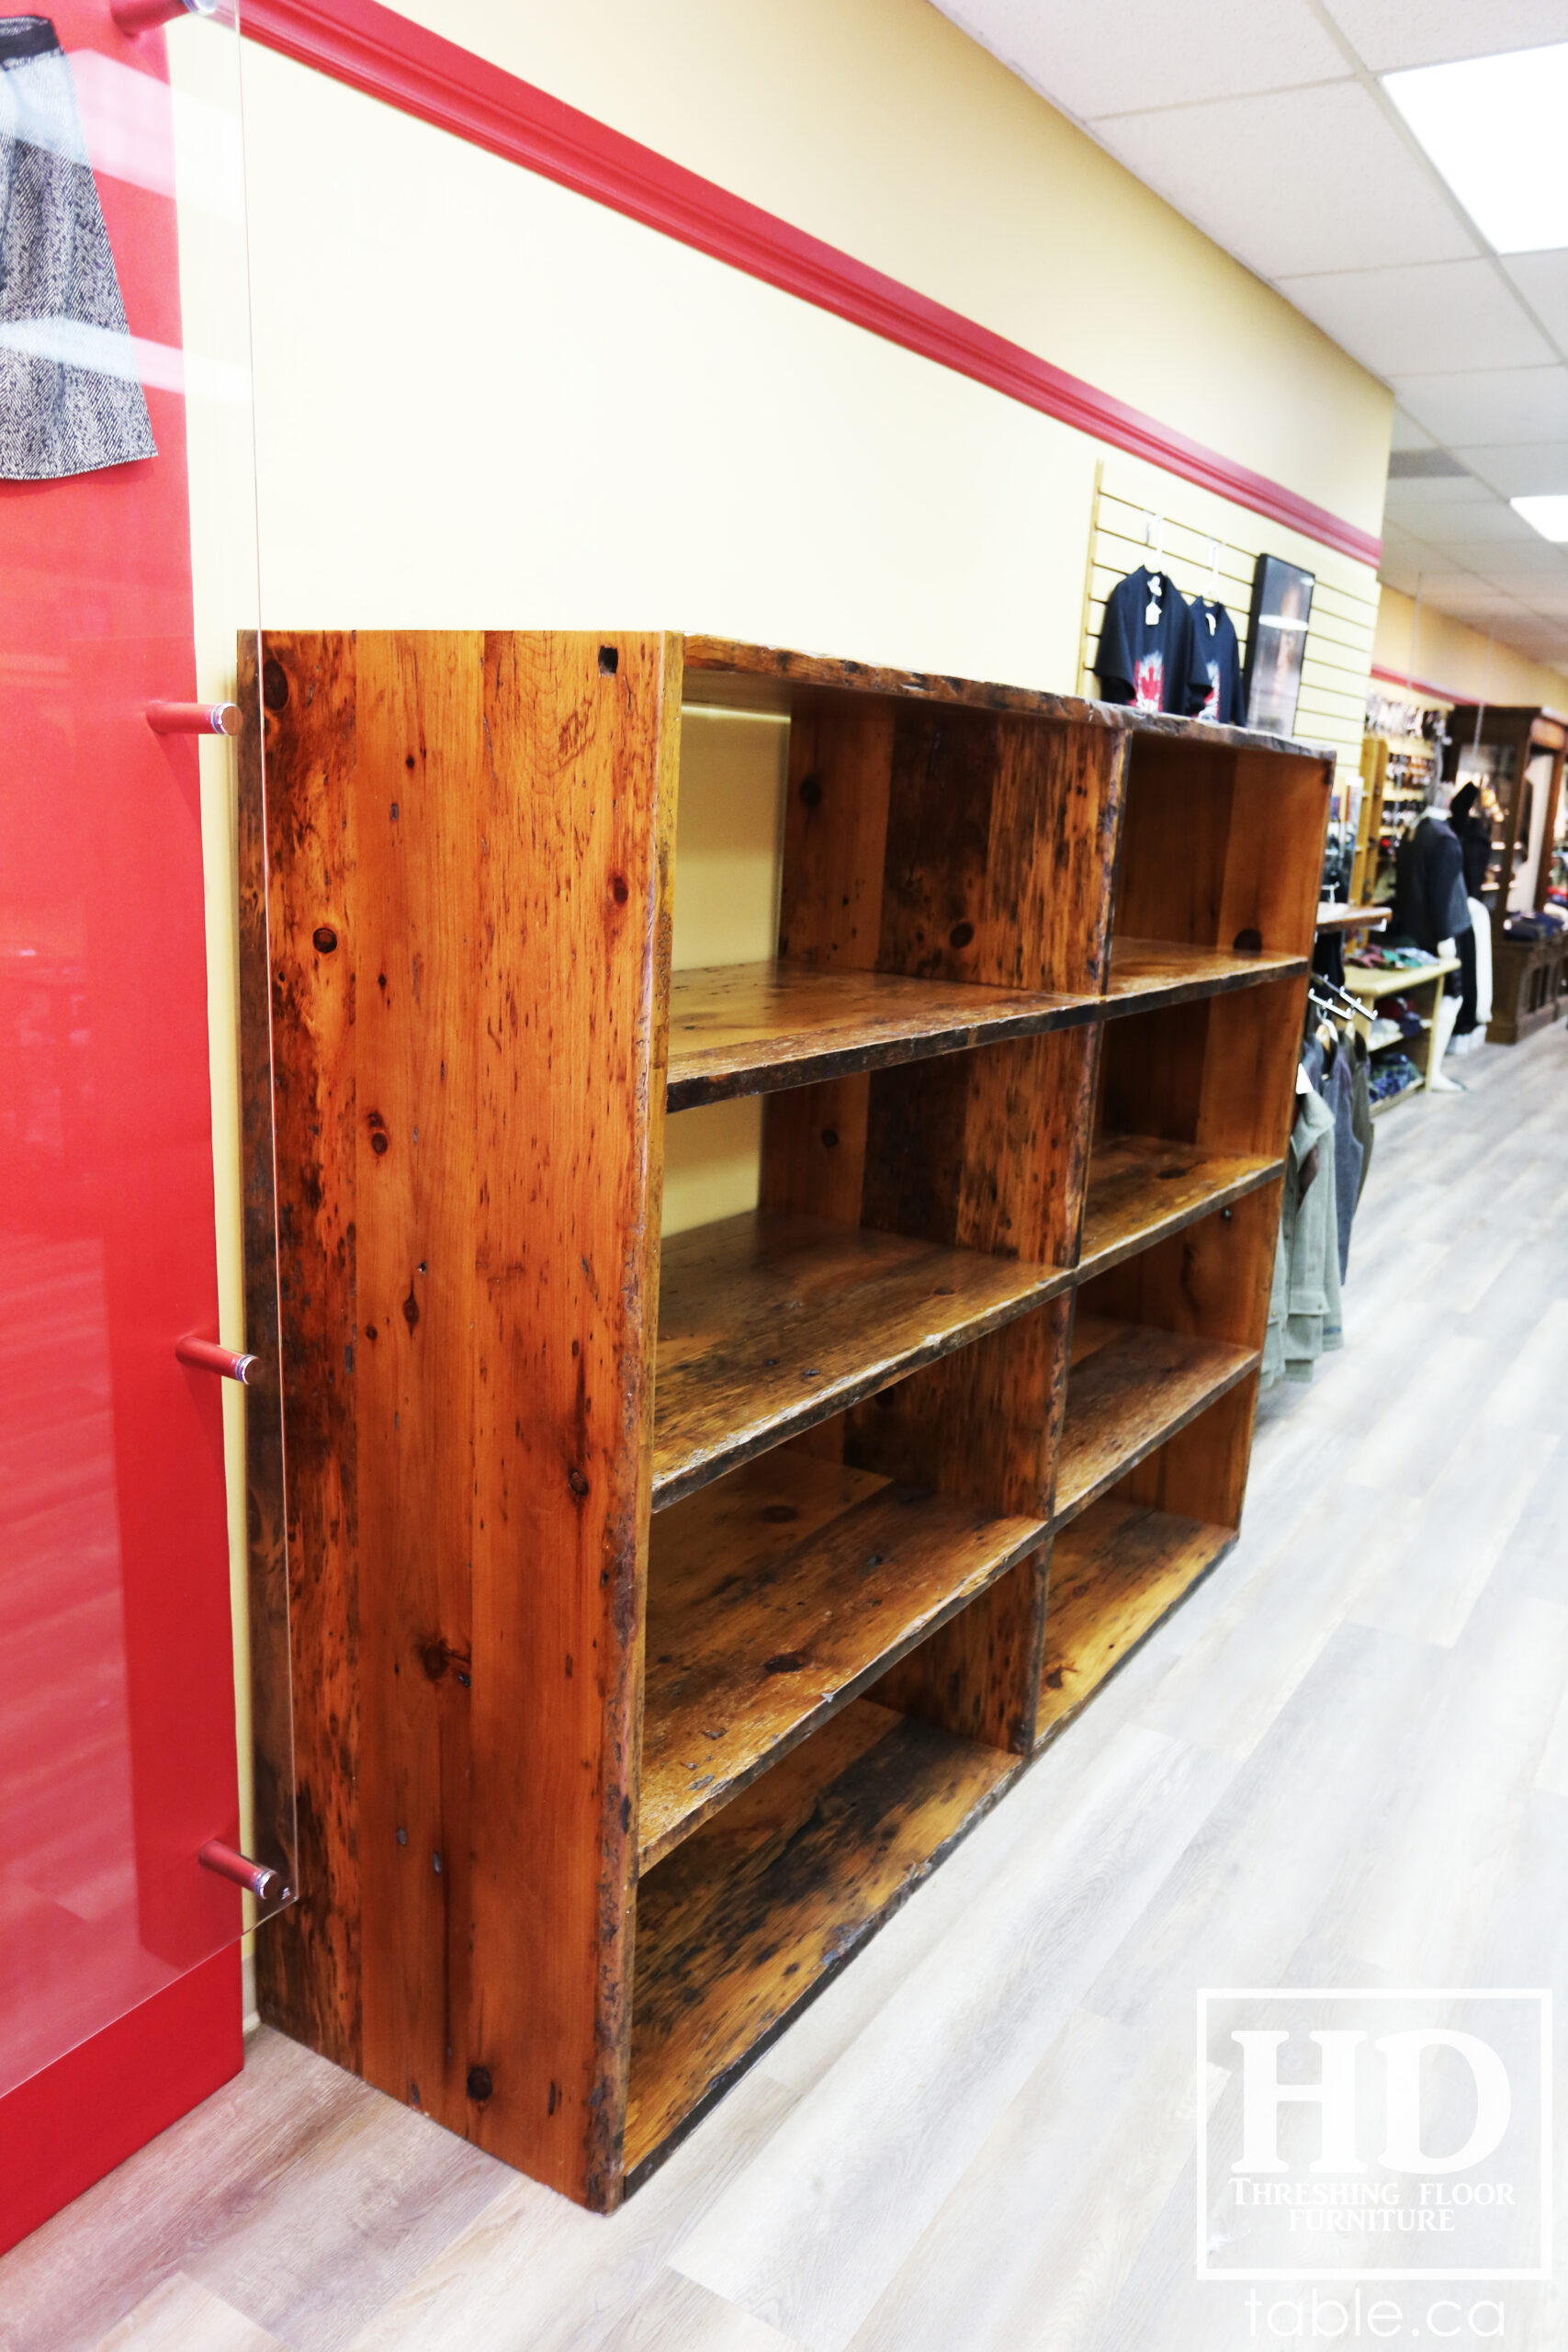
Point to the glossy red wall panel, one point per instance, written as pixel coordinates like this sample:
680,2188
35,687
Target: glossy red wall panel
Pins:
116,1715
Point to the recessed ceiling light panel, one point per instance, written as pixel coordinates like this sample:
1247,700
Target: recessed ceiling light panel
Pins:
1547,515
1494,128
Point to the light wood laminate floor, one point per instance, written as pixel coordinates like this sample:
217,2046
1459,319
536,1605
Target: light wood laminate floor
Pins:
1344,1760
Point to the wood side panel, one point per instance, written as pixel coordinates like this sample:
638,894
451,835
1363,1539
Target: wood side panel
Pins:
570,1031
985,1426
1248,1094
273,1837
498,1176
1152,1072
987,1149
1175,835
1210,1281
836,807
1201,1472
1274,853
419,893
814,1149
308,1961
1055,821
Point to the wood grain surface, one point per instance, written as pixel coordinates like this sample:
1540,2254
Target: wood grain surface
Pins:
768,1324
773,1597
471,839
751,1028
1114,1573
1221,841
981,2136
1141,1189
750,1916
1129,1389
309,1976
1146,972
721,670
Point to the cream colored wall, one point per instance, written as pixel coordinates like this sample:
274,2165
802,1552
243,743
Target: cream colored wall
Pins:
482,400
880,127
1459,661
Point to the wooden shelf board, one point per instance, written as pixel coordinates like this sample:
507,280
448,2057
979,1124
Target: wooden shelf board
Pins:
773,1597
752,1028
1333,916
1140,1188
1387,1102
1149,972
751,1917
1114,1574
768,1324
1129,1388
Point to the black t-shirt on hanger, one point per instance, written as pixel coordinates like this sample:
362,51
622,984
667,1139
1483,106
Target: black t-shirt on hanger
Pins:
1148,653
1219,657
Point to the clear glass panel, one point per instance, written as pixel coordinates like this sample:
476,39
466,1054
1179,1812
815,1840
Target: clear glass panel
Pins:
128,569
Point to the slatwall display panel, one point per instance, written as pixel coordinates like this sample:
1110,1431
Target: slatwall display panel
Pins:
1199,533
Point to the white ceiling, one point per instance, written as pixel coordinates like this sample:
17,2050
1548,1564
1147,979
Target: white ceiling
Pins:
1264,123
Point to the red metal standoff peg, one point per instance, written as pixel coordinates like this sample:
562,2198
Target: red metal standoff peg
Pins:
256,1878
194,717
206,1355
140,15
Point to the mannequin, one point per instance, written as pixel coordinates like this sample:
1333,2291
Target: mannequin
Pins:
1431,906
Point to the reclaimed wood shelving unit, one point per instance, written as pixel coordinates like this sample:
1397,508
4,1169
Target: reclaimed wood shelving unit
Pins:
664,1609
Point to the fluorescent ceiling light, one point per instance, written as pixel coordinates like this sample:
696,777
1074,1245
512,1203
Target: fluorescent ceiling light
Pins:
1547,515
1494,128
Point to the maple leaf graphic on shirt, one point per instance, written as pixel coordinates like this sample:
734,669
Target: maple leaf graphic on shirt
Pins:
1148,682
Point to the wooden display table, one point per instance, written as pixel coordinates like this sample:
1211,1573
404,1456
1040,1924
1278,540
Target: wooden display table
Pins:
1425,980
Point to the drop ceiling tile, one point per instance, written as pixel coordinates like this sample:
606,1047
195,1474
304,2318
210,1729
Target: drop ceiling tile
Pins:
1430,508
1408,434
1521,468
1412,321
1542,280
1144,52
1388,34
1490,524
1489,404
1309,180
1510,566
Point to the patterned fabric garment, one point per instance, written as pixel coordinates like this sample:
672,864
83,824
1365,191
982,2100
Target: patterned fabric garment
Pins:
71,399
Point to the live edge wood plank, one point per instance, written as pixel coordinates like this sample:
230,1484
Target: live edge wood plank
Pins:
1148,972
1141,1189
753,1915
773,1597
1114,1573
752,1028
768,1324
1129,1388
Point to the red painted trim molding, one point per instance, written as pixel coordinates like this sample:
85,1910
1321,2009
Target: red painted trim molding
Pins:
383,54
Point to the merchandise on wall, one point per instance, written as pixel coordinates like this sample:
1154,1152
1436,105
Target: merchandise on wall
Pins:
1401,755
129,1858
1276,643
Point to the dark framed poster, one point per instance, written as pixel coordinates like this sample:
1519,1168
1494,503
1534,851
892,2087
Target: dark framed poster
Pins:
1276,643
